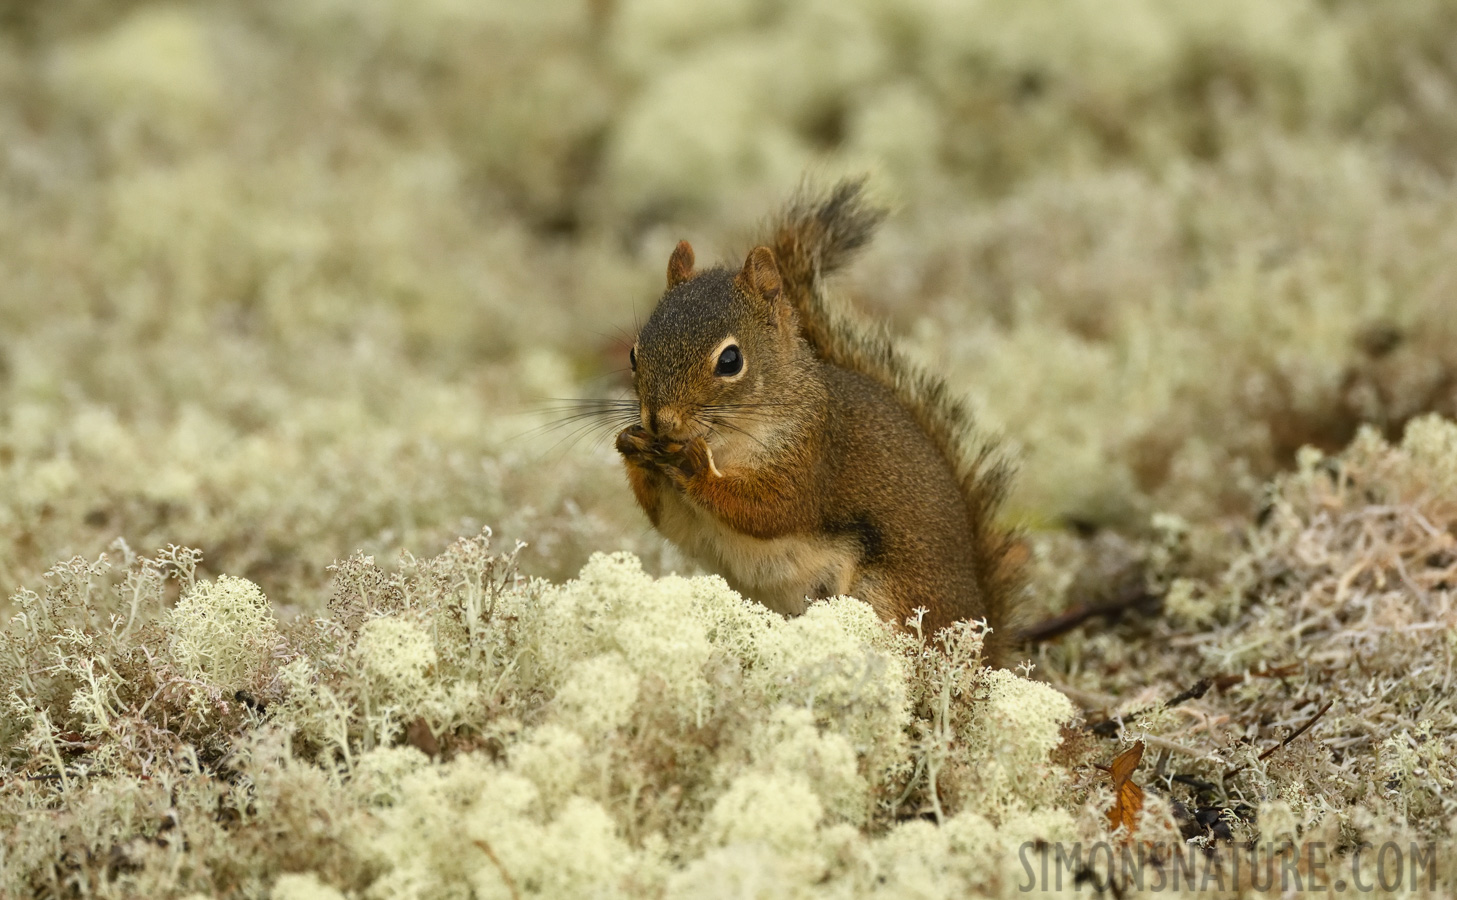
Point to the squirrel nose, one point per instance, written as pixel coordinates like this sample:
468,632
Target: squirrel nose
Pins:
663,422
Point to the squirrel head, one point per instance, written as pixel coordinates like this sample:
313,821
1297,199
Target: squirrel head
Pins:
720,349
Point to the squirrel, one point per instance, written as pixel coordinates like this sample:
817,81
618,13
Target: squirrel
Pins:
786,444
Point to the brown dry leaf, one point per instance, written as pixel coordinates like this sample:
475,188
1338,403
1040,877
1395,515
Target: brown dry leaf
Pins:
1128,801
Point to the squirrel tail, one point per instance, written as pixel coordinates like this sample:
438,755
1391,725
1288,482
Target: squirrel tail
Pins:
816,235
820,233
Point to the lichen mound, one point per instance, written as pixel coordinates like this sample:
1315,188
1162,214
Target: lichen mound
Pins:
451,729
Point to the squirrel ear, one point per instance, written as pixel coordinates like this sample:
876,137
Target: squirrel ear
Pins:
760,275
680,264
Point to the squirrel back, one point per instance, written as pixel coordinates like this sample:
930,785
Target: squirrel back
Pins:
816,236
786,443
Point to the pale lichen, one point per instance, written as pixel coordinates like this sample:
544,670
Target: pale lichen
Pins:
289,281
223,632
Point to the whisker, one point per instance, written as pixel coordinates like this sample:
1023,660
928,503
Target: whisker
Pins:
589,418
576,431
617,333
595,431
573,413
565,416
583,416
750,415
593,402
715,422
743,407
585,410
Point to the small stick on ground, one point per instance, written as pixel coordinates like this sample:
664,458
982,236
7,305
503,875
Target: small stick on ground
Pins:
1131,597
1298,732
1111,727
1286,742
505,875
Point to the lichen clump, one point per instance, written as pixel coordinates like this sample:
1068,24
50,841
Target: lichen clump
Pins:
222,631
441,732
1339,597
292,278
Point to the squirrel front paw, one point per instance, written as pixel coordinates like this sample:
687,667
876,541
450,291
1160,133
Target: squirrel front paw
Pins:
679,460
693,458
643,450
636,445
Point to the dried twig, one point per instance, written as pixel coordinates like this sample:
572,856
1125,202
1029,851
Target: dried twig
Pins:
1298,732
1284,743
505,875
1110,727
1132,596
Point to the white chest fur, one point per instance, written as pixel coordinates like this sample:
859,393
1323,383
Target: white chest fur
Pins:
777,572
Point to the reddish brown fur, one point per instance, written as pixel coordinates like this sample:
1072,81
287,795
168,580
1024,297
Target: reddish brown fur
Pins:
680,264
760,274
864,467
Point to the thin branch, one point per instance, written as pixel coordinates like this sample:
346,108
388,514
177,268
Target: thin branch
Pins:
1133,596
1299,731
505,875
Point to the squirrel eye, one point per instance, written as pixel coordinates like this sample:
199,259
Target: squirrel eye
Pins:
632,358
730,362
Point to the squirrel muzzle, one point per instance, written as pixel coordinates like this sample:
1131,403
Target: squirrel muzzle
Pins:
667,422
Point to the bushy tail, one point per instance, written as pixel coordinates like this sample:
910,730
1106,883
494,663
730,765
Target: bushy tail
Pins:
820,233
816,235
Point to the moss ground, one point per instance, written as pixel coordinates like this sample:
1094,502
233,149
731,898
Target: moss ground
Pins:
297,284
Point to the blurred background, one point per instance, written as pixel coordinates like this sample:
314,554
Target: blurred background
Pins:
282,279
